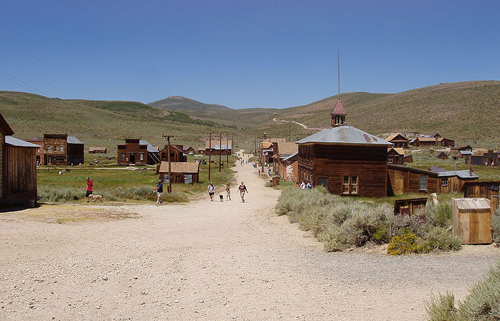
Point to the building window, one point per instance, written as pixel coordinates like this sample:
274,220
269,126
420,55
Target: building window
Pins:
55,149
423,183
123,156
444,182
49,149
323,181
141,156
61,149
350,185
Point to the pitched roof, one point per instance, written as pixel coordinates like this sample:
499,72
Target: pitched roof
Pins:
179,167
93,149
344,135
74,140
461,173
4,127
9,140
339,109
287,148
151,148
426,139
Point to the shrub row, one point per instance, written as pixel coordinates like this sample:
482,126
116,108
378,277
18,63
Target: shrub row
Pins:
341,223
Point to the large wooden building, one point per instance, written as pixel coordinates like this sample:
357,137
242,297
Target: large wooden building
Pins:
58,149
18,180
345,160
137,152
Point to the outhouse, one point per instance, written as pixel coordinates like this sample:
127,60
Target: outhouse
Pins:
472,220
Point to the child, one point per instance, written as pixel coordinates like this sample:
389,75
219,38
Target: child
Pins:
228,192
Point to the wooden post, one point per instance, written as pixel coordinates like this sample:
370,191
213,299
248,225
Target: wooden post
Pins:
169,189
209,153
220,151
227,150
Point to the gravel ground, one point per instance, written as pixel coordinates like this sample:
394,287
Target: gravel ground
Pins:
210,261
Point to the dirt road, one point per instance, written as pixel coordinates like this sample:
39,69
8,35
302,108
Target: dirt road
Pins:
212,261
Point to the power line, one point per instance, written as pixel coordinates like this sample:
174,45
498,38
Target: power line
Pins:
46,65
29,72
19,82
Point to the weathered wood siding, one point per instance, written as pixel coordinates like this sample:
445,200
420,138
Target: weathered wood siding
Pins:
2,140
19,170
333,162
404,180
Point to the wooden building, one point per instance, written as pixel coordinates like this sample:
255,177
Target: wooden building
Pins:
398,140
189,151
59,149
481,189
442,155
395,155
484,158
472,220
283,164
176,154
404,179
182,172
137,152
219,145
445,142
345,160
461,151
423,141
18,177
98,150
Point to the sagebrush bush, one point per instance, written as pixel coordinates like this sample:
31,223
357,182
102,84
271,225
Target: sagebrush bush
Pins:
482,303
495,228
342,222
63,194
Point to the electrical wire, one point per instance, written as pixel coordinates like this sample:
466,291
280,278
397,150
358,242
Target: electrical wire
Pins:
46,65
19,82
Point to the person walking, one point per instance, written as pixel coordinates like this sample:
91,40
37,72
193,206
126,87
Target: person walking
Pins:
90,188
211,191
228,192
242,189
159,191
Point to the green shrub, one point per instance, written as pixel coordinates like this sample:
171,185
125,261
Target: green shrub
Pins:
495,228
62,194
439,238
440,215
442,308
482,303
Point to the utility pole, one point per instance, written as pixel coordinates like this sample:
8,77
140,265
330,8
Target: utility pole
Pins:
209,153
220,151
227,150
169,189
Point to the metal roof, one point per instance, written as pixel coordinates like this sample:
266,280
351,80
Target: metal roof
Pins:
74,140
344,135
151,148
9,140
462,174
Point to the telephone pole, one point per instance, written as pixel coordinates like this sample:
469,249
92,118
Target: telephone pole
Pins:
209,153
220,152
169,189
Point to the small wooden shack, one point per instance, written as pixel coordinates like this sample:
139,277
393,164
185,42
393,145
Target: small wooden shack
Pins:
98,150
18,177
410,207
182,172
176,154
472,220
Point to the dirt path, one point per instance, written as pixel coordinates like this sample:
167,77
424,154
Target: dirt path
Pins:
212,261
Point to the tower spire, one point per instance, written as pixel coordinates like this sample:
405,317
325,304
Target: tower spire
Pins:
338,113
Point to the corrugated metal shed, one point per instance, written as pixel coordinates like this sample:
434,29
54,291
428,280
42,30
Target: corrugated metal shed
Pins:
344,135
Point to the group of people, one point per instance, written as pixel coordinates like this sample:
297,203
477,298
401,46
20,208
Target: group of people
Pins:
242,189
303,185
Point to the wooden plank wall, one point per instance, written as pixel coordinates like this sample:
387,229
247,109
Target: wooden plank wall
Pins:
2,139
20,176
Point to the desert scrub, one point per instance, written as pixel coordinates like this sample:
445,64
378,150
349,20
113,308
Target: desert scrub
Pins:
404,244
482,303
342,222
61,194
495,228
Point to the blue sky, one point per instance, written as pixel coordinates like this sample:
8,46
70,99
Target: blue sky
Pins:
243,53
